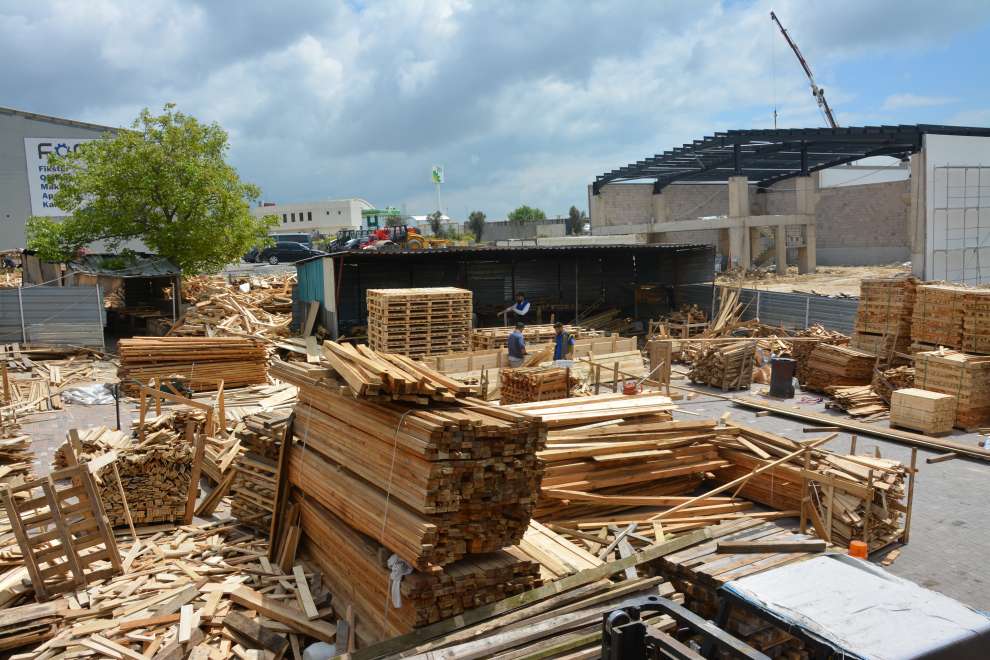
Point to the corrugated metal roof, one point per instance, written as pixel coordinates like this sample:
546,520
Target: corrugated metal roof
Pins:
140,264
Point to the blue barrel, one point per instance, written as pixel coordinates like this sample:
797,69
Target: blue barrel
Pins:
782,372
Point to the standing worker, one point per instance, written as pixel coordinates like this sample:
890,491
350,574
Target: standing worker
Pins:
563,346
517,346
520,309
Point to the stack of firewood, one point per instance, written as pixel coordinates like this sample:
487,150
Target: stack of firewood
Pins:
726,366
801,350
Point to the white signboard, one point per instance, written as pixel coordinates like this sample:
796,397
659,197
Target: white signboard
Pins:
36,151
437,174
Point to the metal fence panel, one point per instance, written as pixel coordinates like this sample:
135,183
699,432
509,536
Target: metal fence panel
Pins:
70,316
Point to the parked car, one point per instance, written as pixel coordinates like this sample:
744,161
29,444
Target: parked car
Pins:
286,252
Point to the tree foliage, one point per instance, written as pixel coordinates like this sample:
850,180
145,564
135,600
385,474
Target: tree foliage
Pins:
526,214
165,183
476,223
575,221
436,223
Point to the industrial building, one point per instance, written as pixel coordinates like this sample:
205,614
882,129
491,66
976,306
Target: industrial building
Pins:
325,217
26,140
758,194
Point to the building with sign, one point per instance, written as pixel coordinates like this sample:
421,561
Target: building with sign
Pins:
26,140
325,217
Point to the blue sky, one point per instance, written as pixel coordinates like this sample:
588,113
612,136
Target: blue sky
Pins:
522,102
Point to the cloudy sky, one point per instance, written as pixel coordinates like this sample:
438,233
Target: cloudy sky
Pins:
523,103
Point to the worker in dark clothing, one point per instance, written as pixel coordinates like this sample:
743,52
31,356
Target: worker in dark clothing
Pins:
519,310
517,346
563,346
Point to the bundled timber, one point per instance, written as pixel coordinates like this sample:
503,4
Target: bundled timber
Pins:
886,381
357,570
884,315
561,413
932,413
967,377
498,337
201,362
976,321
857,400
257,306
726,366
801,350
536,384
939,310
417,322
831,365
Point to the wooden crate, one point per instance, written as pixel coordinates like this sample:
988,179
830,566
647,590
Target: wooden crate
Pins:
932,413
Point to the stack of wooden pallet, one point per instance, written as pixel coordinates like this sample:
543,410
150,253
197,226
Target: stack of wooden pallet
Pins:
801,350
254,478
967,377
417,322
939,310
536,384
831,365
498,337
201,361
976,321
726,366
883,318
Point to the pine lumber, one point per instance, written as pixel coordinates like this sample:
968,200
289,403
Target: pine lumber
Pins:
202,362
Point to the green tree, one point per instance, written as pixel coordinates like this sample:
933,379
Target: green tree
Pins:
575,221
476,223
165,183
525,214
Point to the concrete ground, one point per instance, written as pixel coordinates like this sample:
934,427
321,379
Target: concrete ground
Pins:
950,524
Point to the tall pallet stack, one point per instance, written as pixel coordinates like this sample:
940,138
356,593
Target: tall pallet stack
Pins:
938,315
976,321
838,365
418,322
883,318
442,487
967,377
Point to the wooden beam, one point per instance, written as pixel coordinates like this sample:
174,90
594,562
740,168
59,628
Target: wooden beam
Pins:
275,610
744,547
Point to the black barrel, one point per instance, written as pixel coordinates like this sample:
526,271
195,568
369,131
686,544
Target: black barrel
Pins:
782,377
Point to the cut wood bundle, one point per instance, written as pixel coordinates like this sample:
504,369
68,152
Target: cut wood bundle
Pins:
932,413
576,411
527,384
201,362
726,366
416,322
221,307
976,321
801,350
498,337
857,400
967,377
884,315
831,365
886,381
358,571
939,310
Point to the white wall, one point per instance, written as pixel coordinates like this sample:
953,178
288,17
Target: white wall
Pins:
326,216
957,222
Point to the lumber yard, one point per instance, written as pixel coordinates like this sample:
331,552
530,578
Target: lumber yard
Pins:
740,408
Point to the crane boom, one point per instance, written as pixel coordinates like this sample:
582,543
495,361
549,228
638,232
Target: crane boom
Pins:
816,91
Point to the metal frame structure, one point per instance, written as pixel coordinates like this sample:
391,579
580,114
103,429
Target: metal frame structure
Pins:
771,155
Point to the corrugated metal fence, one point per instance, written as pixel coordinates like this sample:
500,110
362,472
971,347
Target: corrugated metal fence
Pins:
792,310
70,316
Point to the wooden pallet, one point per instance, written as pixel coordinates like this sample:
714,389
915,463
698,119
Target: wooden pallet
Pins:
419,322
62,532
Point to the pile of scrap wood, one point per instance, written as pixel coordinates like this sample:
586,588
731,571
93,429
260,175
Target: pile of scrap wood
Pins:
261,307
801,350
201,362
255,474
15,456
967,377
884,314
886,381
536,384
199,591
33,378
417,322
725,365
830,365
858,401
498,337
374,375
729,312
850,497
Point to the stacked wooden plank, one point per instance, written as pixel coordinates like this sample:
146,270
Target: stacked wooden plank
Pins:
886,381
831,365
857,400
726,366
255,470
498,337
801,350
883,317
932,413
939,310
967,377
976,321
536,384
417,322
201,361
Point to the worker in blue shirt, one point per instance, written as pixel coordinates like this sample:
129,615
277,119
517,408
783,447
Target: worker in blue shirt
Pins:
563,343
517,346
520,309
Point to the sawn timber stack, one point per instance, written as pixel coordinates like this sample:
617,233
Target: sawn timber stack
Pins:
202,361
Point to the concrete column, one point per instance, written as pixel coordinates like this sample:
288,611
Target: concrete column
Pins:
596,209
780,246
808,255
917,220
807,193
661,210
738,196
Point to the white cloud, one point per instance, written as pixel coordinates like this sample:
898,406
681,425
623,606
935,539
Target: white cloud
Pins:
902,101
